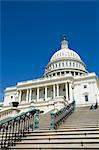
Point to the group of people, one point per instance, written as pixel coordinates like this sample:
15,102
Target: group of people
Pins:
94,106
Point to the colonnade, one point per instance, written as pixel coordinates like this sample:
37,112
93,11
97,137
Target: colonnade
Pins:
56,90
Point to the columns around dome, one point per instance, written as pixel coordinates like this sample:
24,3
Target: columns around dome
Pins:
64,67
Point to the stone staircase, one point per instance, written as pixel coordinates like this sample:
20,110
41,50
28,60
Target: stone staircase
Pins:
44,121
79,131
82,118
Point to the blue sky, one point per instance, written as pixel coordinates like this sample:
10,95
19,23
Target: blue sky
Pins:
31,33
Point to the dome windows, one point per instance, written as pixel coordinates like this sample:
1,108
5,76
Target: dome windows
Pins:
76,64
53,74
72,73
58,73
62,73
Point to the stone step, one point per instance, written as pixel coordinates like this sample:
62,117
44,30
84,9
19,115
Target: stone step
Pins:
59,141
69,122
60,136
68,130
79,126
64,131
60,146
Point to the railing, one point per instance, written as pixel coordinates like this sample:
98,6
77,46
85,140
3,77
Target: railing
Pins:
58,117
15,128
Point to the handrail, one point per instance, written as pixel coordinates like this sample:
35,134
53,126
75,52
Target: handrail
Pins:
12,129
58,117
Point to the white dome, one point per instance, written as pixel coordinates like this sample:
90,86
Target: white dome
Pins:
65,53
65,61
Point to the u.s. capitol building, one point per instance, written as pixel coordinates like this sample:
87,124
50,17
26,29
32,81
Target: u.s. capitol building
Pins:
65,79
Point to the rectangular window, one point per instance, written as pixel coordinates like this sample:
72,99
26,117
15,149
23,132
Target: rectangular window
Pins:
86,98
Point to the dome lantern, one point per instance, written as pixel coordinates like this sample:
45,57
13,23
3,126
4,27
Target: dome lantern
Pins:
64,43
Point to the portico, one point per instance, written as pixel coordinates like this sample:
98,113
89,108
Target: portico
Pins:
44,93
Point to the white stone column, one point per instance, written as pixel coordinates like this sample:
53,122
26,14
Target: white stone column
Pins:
38,94
45,93
57,90
20,92
70,92
30,95
66,90
54,91
27,95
